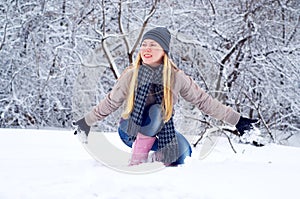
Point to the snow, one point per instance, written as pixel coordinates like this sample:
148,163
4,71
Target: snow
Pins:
52,164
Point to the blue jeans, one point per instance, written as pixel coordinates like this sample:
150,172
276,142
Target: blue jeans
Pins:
184,147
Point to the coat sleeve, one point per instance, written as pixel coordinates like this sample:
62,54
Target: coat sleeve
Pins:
112,101
191,92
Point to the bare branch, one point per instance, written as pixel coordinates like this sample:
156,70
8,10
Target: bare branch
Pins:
150,14
4,37
293,32
111,60
213,129
122,31
4,33
235,47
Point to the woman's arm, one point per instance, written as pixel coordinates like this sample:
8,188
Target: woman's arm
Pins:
191,92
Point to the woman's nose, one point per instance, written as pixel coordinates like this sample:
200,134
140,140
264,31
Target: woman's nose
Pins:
148,48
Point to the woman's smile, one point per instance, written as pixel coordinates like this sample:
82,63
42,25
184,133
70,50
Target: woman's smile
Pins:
147,55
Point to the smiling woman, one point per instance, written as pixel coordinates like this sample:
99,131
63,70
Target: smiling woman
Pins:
149,89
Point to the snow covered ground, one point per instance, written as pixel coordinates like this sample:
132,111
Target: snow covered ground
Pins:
52,164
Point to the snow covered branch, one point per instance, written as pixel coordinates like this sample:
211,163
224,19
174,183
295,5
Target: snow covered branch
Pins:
4,36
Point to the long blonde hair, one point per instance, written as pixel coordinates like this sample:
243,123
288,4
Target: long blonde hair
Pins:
167,102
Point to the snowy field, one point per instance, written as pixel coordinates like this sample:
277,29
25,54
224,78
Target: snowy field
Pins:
50,164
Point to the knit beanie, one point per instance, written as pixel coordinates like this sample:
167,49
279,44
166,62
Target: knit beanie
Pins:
161,35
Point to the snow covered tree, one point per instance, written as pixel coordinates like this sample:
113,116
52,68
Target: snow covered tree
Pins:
59,58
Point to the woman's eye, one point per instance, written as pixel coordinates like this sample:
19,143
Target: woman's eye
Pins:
151,45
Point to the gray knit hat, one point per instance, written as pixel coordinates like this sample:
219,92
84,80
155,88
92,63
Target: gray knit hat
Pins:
161,35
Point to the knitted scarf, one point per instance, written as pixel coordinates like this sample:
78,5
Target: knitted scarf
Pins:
167,140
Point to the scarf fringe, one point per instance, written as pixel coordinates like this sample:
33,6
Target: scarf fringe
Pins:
133,128
167,155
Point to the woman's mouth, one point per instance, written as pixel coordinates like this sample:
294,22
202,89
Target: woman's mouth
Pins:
147,55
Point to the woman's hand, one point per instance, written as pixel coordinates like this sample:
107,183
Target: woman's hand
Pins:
245,124
82,126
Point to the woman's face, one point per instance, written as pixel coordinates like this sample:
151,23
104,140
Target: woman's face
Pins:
151,52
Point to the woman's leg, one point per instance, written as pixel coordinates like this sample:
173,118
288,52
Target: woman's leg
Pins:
125,138
140,146
183,146
184,149
128,141
140,149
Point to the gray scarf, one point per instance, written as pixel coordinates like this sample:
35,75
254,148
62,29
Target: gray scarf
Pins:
167,140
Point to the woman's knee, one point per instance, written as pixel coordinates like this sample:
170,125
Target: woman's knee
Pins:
184,148
125,138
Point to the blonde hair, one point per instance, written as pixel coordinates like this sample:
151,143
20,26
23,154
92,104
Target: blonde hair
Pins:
167,102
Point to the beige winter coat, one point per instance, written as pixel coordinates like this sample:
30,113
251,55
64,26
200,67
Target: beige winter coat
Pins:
183,86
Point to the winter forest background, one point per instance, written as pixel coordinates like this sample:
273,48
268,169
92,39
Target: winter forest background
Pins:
59,58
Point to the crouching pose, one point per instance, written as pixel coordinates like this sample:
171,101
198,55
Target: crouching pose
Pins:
149,89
